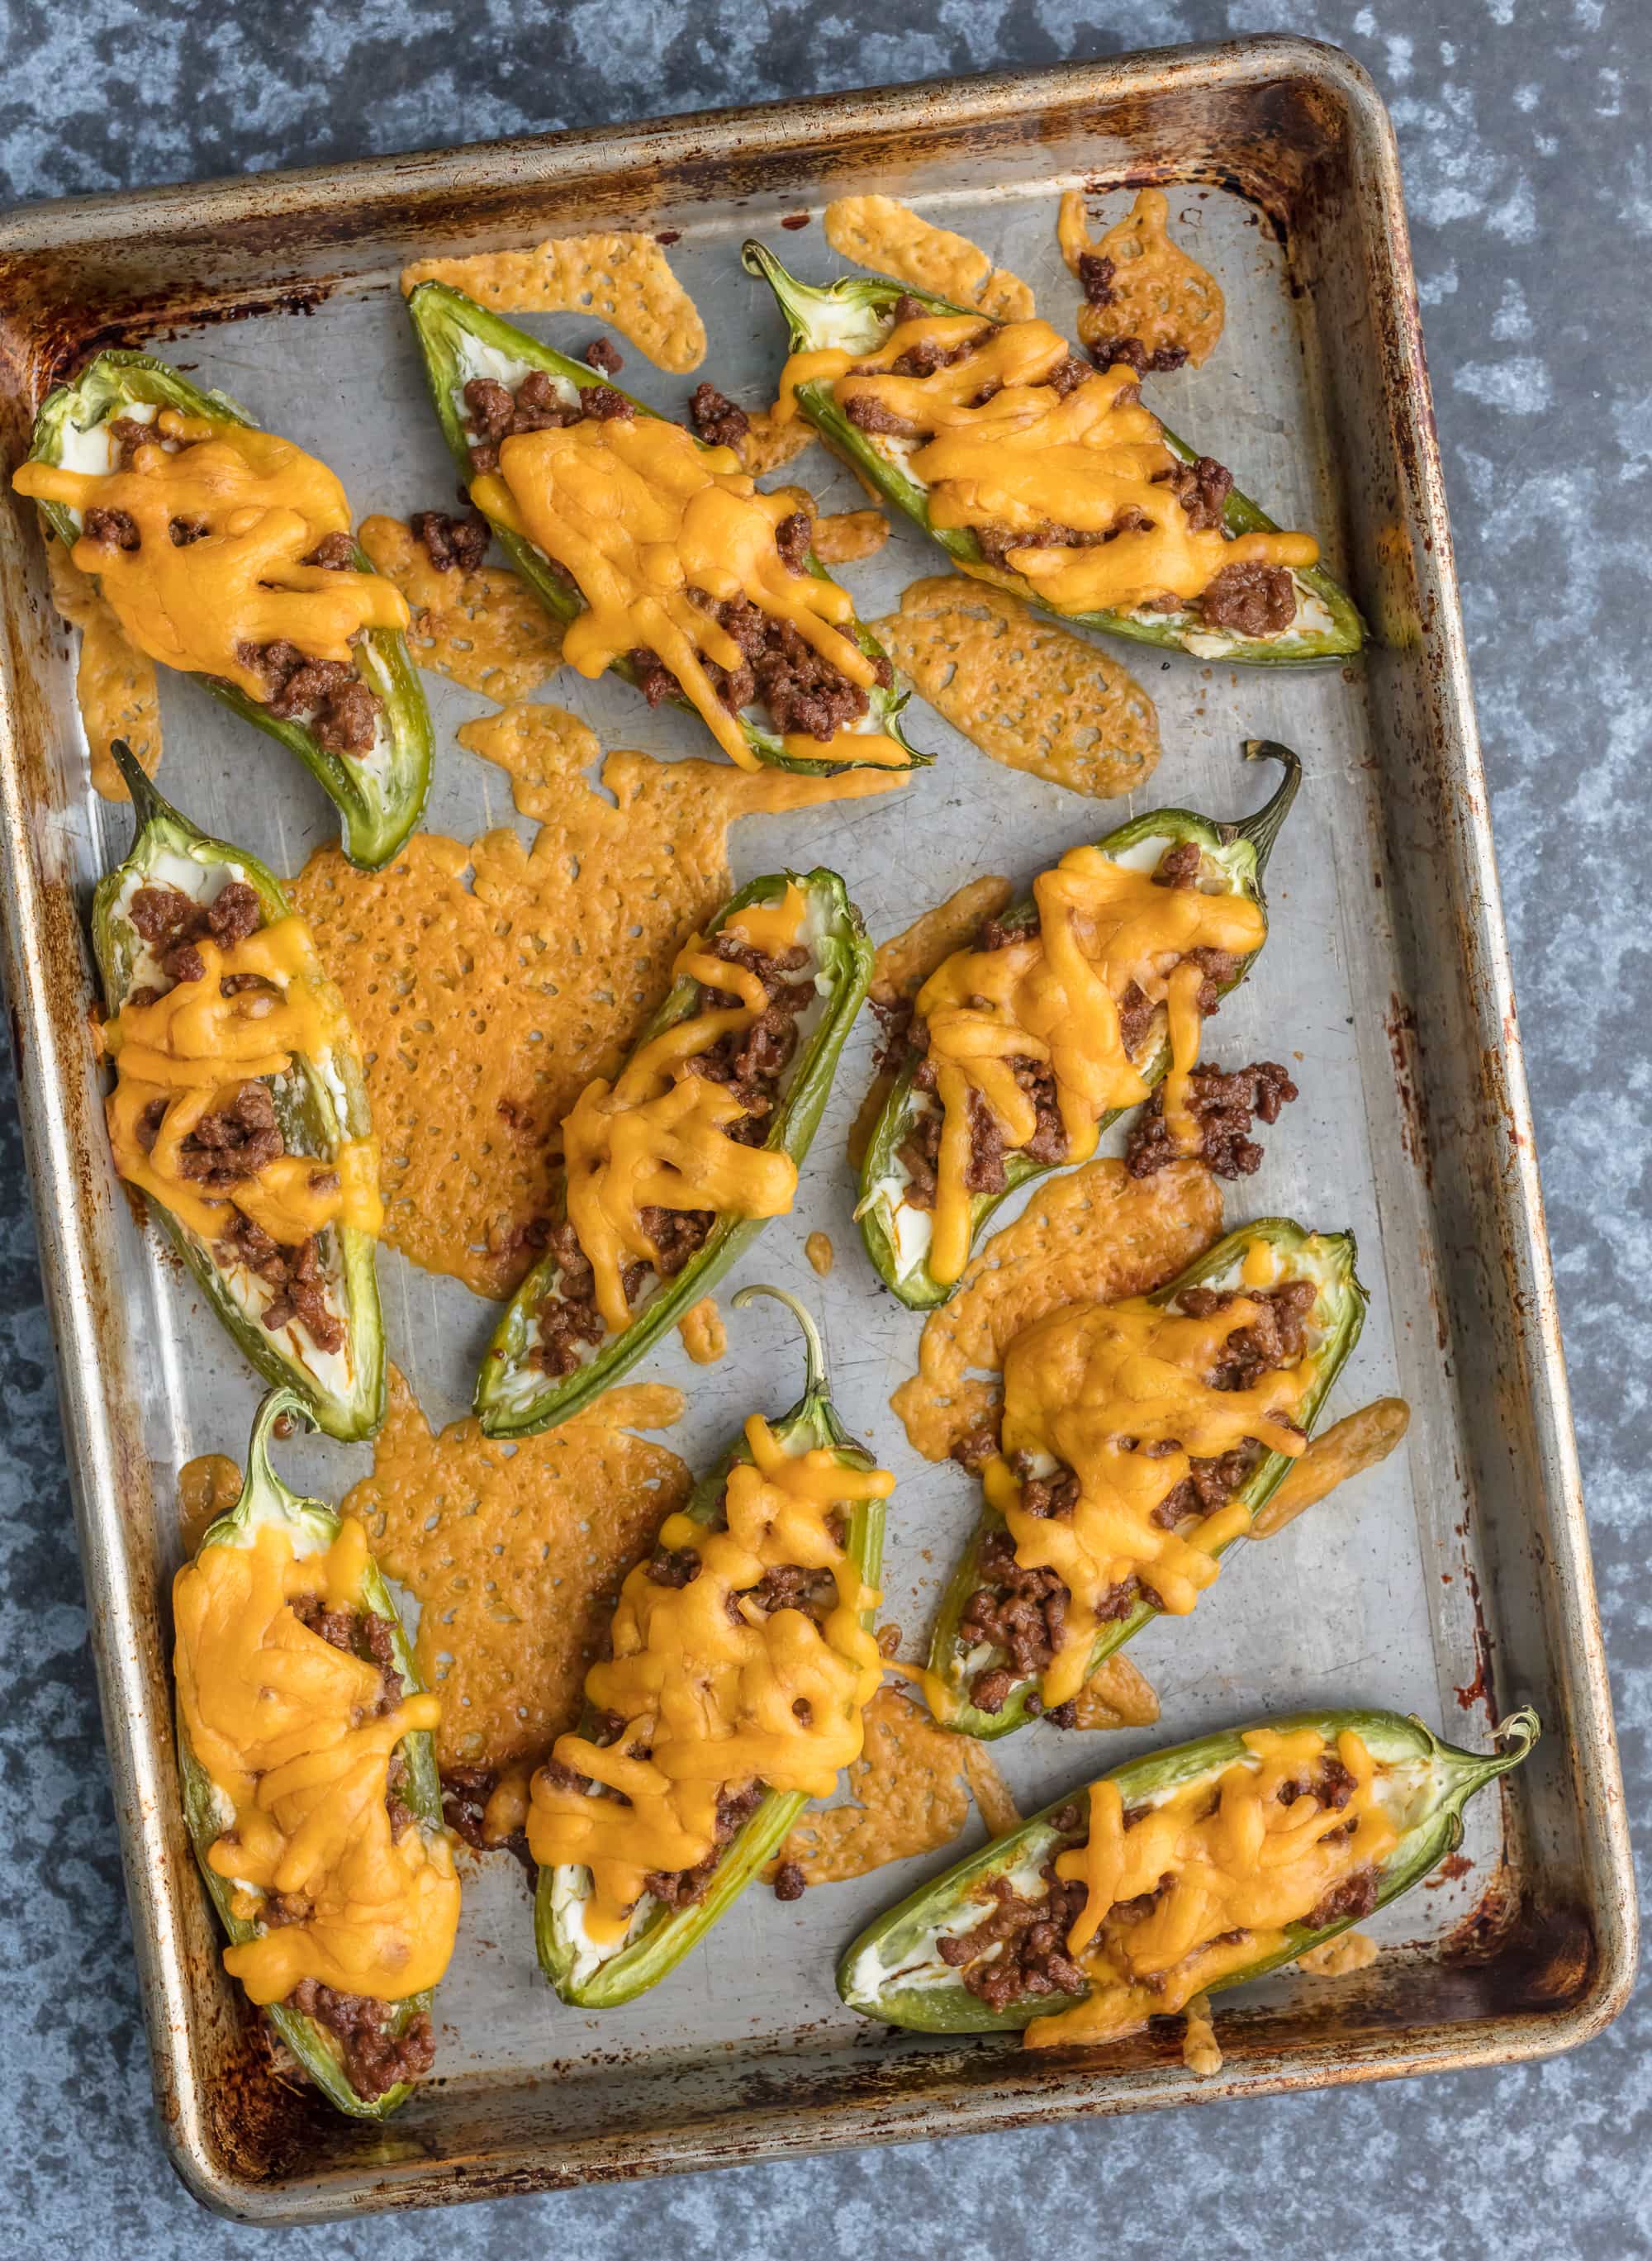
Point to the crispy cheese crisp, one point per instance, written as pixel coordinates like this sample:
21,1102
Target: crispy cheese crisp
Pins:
115,683
1032,695
908,1792
1156,293
623,279
883,234
485,629
1092,1236
705,1337
516,1551
843,537
1201,2052
821,1253
208,1487
1348,1448
1116,1695
1335,1958
489,980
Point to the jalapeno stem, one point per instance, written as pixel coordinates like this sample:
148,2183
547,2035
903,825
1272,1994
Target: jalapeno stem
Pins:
814,1350
1262,830
148,802
272,1407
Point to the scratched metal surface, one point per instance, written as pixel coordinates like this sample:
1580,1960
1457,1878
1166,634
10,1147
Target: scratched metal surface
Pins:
1369,1600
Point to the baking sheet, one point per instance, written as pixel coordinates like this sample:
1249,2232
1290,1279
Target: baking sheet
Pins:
1416,1590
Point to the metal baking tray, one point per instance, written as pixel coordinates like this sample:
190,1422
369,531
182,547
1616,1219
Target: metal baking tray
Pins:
1456,1582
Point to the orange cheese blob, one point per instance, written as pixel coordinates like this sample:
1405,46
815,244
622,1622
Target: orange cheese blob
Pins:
1117,1394
263,505
1053,1000
288,1730
1229,1875
1003,447
715,1693
640,516
660,1135
192,1048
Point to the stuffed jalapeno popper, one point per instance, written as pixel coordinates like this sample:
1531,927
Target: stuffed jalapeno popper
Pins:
1138,1442
309,1784
658,551
239,1107
670,1169
743,1662
1037,471
1076,1002
1185,1871
226,553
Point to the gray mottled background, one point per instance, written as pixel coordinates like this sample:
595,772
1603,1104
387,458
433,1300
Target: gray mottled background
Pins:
1523,129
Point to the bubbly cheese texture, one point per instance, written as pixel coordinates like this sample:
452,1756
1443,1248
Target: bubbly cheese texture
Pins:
288,1729
715,1693
1055,1000
1230,1872
194,604
640,513
1157,294
192,1049
1117,1394
1005,450
659,1137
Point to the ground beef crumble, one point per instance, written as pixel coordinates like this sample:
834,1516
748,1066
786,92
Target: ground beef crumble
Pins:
1222,1106
172,922
451,543
376,2057
341,710
1249,599
749,1062
718,421
296,1274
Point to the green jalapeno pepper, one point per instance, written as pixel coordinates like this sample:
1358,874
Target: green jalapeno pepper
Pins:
895,1234
1333,1325
461,340
380,794
320,1103
313,1525
660,1937
894,1971
513,1396
856,313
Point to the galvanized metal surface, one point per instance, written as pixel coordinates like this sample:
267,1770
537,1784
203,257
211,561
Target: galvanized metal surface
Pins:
1458,1582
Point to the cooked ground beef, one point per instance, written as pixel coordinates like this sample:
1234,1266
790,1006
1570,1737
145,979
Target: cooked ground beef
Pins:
126,435
1276,1338
929,354
1330,1783
376,2057
570,1318
918,1153
359,1633
1068,375
1048,1143
997,541
1048,1497
335,553
1018,1610
606,404
789,1587
1202,489
340,710
1222,1106
999,933
172,922
718,421
110,529
1208,1485
1030,1935
678,1235
1251,599
669,1566
777,669
452,543
496,412
1096,279
295,1274
1348,1902
867,413
794,538
603,354
465,1792
682,1887
234,1142
790,1883
1179,866
1109,353
973,1451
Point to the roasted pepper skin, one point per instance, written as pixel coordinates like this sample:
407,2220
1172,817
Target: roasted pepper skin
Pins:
644,1961
508,1403
376,819
440,317
265,1498
949,2008
310,1115
1331,1258
851,312
1243,849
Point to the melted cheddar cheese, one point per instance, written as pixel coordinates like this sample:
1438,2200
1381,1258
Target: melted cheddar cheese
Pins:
194,604
641,515
1003,448
715,1694
1117,1394
1231,1871
289,1731
1054,999
192,1050
660,1136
